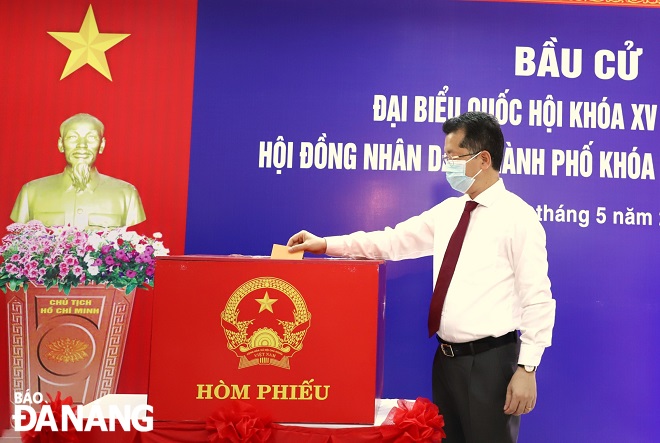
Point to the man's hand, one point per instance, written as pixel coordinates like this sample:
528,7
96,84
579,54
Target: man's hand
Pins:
306,241
521,393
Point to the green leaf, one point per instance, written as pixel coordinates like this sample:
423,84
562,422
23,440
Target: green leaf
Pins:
13,285
64,287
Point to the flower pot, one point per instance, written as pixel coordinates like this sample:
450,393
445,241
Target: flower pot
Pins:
70,343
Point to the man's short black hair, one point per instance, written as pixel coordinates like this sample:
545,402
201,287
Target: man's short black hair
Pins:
482,133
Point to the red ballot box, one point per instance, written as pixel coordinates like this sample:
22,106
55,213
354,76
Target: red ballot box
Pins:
299,340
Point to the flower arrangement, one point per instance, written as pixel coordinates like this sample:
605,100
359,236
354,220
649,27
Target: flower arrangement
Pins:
67,257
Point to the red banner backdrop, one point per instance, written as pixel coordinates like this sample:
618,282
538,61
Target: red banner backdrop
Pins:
146,109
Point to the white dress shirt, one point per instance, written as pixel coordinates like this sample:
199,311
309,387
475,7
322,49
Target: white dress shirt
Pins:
501,280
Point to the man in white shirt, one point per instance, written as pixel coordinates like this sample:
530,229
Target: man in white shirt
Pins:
483,372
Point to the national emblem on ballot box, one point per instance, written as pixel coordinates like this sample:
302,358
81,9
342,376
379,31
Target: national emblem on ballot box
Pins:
265,340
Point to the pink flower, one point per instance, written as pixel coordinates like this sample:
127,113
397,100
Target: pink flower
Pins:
14,227
131,273
64,270
70,260
77,270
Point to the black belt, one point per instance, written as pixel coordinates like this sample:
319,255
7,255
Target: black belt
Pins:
477,346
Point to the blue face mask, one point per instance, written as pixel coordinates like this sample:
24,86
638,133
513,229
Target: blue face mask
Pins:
455,172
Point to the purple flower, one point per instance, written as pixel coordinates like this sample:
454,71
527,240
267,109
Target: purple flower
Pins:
98,262
149,250
131,273
109,260
121,255
105,249
150,270
144,258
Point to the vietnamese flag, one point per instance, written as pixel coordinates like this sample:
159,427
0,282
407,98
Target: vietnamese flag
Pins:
130,63
144,97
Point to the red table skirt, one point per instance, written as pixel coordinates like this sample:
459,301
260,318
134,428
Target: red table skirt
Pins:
407,422
196,432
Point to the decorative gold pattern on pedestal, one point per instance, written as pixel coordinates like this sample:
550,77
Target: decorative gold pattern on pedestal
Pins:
67,350
17,345
73,343
109,364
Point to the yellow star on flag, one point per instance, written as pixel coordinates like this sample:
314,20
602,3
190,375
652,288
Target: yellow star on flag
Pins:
88,46
266,303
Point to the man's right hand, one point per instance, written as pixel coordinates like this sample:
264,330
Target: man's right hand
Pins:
306,241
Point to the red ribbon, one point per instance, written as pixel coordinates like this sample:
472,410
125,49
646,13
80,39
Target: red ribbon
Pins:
46,434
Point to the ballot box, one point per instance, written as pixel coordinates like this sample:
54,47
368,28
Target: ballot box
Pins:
301,340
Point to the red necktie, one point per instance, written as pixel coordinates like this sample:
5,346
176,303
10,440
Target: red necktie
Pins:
447,268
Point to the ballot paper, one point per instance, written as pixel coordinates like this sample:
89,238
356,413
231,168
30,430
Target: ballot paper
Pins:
281,252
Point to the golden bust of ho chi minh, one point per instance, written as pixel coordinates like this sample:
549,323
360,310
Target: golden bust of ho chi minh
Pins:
80,196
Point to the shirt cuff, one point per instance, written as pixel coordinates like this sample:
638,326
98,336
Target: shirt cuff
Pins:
334,246
530,355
